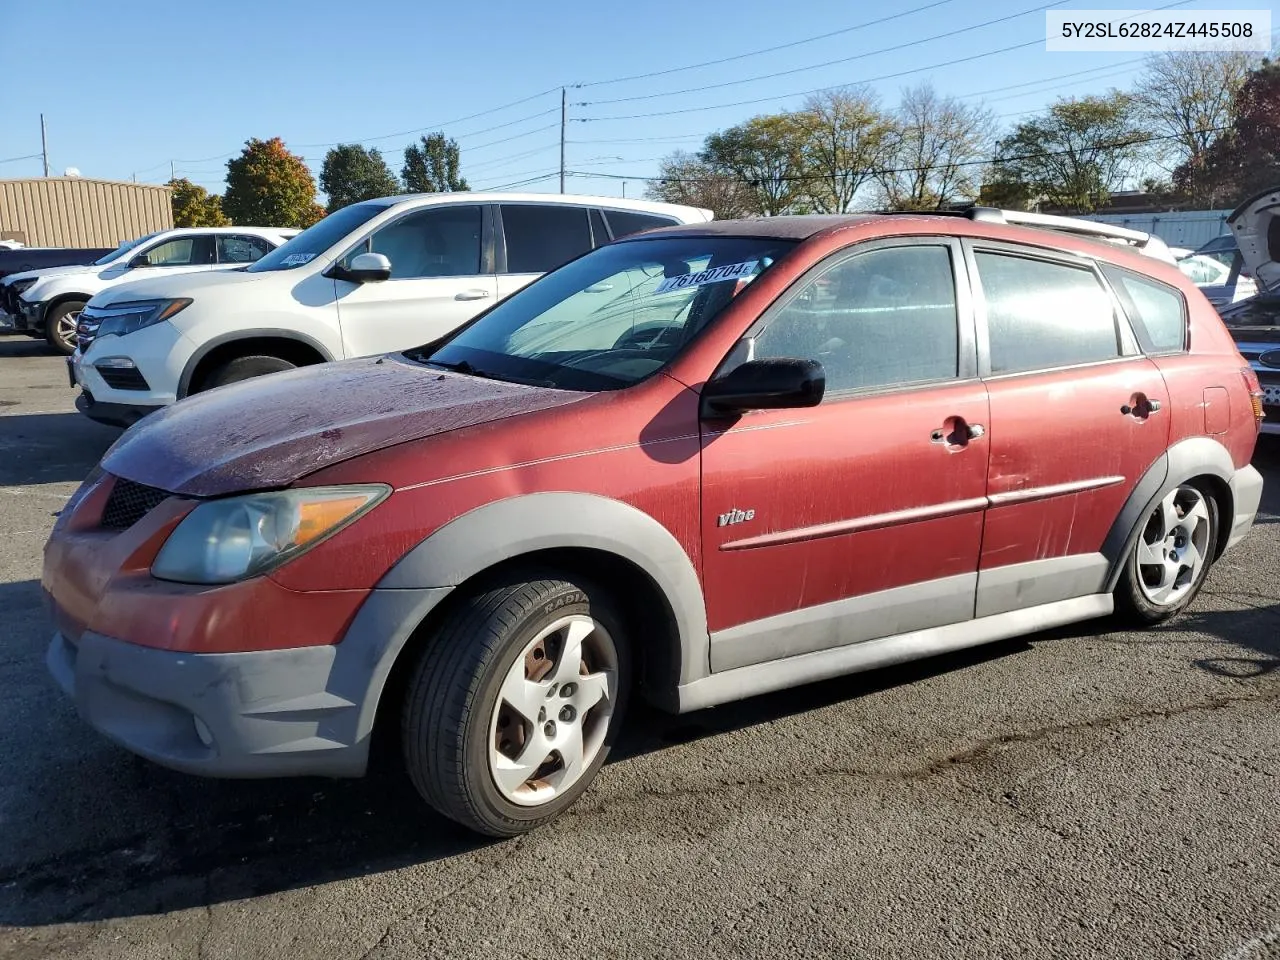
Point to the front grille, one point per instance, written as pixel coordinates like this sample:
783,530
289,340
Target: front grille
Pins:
123,378
129,502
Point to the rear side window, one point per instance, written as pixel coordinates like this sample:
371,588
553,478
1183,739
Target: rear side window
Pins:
1042,315
233,248
542,237
1157,311
624,222
880,319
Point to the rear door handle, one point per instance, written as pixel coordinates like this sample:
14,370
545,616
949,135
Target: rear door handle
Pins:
956,433
472,295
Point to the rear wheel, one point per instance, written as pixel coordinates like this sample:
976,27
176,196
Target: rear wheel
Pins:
60,326
514,705
243,368
1171,557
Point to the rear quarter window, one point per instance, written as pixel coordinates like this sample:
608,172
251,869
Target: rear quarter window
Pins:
1157,311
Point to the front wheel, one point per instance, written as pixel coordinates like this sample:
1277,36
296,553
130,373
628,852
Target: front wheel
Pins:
515,703
60,326
1171,557
243,368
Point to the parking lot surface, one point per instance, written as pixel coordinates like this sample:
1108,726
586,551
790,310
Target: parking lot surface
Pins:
1083,793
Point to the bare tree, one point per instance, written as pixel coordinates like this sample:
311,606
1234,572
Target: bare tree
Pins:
685,178
847,137
766,154
938,144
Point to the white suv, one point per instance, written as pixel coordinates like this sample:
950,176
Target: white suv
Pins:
374,277
45,302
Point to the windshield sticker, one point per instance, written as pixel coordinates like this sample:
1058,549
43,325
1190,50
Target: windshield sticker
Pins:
728,271
293,259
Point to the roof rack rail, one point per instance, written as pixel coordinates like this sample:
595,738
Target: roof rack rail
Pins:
1146,243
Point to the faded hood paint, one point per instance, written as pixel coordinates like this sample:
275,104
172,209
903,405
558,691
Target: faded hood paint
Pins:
1256,225
269,432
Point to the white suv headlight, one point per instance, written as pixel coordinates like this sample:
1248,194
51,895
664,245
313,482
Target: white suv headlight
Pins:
122,319
222,541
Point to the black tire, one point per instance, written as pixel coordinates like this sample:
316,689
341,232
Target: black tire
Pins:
59,326
1133,605
453,694
243,368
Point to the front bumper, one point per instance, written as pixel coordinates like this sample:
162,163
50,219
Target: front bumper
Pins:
113,414
303,711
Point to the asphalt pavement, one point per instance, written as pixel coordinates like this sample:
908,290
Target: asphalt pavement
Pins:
1082,793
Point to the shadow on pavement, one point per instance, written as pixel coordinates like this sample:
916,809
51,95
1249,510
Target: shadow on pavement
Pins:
50,447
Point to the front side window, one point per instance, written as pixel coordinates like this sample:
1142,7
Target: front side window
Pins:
178,252
541,237
611,318
625,222
1157,310
233,248
882,318
439,241
1042,315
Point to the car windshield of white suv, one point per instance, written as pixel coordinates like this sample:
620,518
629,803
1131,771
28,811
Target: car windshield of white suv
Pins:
610,318
317,238
121,250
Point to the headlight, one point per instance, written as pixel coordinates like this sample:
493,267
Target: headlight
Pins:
125,318
222,541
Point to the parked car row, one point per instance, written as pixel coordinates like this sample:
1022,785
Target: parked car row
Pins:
47,302
694,464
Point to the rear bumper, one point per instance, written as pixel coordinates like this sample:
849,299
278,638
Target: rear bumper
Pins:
305,711
1246,495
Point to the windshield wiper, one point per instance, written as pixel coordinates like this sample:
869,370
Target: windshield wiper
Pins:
460,367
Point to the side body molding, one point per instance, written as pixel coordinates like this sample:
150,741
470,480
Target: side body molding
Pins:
518,525
1193,457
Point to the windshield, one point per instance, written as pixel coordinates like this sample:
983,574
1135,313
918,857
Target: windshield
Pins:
611,318
122,250
318,238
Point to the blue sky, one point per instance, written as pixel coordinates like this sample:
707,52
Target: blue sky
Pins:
128,88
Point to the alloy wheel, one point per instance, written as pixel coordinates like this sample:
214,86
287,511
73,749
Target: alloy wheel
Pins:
65,331
1174,547
553,711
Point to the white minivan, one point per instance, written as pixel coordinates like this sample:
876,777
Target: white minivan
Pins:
377,276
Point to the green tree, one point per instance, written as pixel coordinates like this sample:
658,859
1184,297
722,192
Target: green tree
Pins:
1075,154
1245,159
352,173
684,178
936,146
431,166
270,187
846,138
766,154
194,206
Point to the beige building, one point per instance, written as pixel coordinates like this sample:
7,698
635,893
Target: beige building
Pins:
77,212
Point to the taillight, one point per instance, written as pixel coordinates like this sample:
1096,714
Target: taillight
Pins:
1255,393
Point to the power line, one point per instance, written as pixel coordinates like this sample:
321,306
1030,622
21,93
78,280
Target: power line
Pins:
826,63
30,156
756,53
801,177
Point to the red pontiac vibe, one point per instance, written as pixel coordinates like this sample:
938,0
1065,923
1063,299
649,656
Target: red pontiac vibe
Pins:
698,464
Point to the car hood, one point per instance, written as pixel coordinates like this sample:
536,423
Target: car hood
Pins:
267,433
175,285
46,273
1256,225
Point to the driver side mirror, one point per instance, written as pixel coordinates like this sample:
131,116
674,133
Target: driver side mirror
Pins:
141,260
765,385
368,268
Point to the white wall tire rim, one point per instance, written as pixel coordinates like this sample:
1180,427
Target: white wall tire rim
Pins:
1173,547
553,711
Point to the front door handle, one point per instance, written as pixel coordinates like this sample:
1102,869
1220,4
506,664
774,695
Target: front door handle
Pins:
956,433
472,295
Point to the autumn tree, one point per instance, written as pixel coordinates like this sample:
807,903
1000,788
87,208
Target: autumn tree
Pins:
1189,98
1245,159
431,166
846,138
194,206
269,186
766,154
686,179
935,150
352,173
1075,154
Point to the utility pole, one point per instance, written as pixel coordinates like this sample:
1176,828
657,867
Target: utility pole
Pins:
172,176
624,189
564,122
44,146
